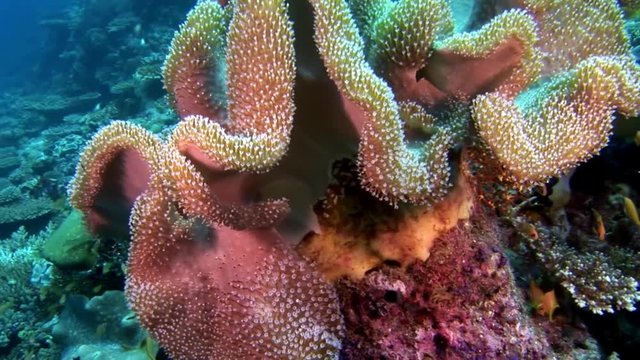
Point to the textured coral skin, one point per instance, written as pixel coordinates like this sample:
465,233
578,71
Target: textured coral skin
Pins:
113,171
460,304
218,75
219,293
208,275
196,284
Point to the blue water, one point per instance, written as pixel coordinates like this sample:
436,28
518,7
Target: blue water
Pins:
23,38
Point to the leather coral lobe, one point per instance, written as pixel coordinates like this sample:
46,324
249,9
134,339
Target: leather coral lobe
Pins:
208,275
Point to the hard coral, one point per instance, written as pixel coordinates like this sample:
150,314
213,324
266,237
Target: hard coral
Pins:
601,281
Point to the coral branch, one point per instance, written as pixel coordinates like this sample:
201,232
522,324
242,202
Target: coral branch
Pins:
194,71
501,56
552,128
196,198
113,170
402,32
571,31
389,168
260,71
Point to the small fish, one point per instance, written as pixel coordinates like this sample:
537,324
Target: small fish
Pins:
631,210
545,303
529,230
599,224
637,138
549,304
536,294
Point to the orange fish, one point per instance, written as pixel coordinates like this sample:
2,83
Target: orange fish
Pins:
545,303
599,224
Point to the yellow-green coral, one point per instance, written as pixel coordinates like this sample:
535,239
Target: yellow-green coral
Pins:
571,31
193,71
422,63
259,57
588,74
514,24
550,129
105,145
402,36
404,31
389,168
260,71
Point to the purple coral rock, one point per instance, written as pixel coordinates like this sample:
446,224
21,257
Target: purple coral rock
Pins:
462,303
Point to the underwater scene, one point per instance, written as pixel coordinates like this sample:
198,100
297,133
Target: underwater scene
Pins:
320,179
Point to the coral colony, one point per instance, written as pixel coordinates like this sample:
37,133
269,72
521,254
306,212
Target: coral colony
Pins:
437,112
